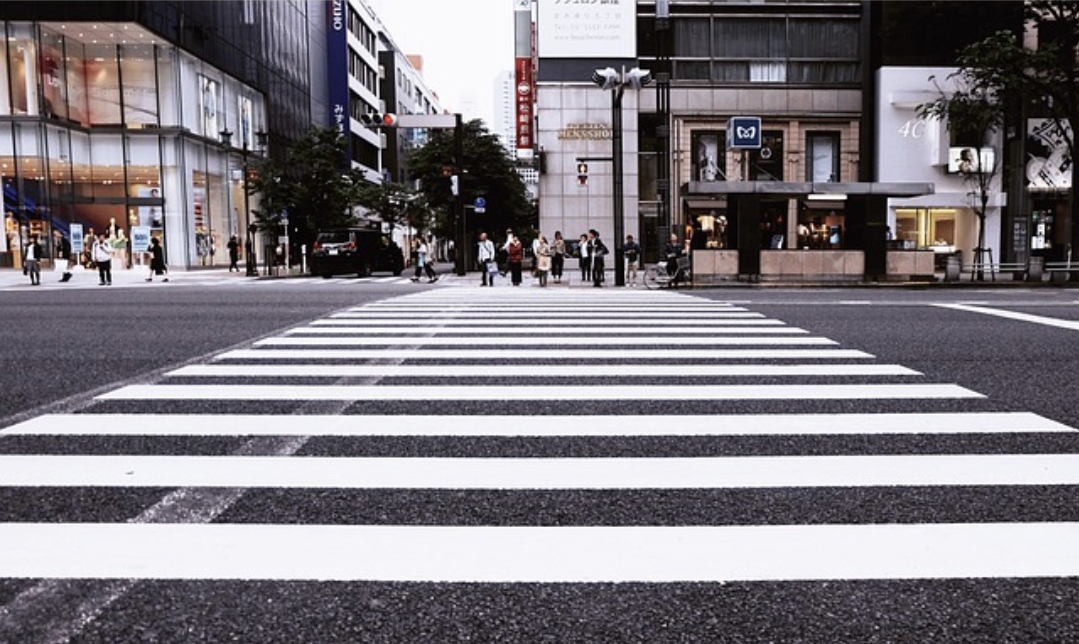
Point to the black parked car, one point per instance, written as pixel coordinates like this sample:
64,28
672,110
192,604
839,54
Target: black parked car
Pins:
355,250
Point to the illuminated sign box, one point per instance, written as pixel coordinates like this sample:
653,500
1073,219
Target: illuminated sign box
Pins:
969,160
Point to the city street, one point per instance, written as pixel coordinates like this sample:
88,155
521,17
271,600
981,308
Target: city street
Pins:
371,460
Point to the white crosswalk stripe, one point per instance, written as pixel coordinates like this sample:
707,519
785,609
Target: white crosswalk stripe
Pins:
671,363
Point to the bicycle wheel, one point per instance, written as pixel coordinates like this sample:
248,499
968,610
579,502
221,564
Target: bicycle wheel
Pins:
653,278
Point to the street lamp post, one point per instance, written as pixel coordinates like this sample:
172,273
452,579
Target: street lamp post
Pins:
608,78
250,263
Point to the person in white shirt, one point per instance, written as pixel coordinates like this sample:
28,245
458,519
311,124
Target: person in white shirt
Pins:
485,256
101,253
585,261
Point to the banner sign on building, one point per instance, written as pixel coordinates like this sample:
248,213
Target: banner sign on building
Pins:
587,28
337,64
523,98
1048,160
744,133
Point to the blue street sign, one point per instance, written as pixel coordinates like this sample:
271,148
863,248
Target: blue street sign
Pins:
744,133
481,202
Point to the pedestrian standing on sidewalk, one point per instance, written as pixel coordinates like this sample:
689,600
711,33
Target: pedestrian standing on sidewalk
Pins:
101,253
632,252
515,257
32,261
157,260
558,256
504,252
582,257
485,256
597,250
234,254
63,254
543,260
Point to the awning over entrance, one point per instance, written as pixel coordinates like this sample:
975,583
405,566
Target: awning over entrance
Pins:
801,188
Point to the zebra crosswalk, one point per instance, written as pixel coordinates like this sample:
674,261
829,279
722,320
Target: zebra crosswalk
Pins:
457,436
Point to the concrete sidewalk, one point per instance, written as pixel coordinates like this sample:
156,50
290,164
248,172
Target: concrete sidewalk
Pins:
13,277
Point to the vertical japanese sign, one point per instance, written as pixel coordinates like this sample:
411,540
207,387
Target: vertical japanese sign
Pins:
523,94
524,77
337,65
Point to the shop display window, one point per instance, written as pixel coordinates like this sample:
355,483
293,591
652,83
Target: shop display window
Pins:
932,228
821,229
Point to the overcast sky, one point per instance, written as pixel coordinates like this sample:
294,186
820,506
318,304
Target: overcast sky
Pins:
464,44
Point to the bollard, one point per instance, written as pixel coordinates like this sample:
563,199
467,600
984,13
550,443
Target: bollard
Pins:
952,269
1035,269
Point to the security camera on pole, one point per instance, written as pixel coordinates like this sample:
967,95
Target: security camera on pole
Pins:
609,78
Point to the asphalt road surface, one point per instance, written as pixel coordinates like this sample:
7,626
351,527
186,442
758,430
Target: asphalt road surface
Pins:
410,463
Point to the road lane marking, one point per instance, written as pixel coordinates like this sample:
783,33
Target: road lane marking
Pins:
573,341
496,315
542,322
945,423
541,392
722,472
1014,315
655,554
546,371
592,328
580,355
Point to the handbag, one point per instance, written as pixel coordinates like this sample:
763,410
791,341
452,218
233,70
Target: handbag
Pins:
492,268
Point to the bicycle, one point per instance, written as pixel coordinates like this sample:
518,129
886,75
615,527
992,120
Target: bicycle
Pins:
656,275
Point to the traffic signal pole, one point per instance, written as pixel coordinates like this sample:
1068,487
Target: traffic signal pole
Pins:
459,253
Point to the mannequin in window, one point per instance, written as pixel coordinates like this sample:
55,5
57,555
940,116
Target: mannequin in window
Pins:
710,171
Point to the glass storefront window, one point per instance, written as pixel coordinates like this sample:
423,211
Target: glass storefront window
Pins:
926,228
5,95
178,183
168,87
820,229
22,65
78,109
140,85
103,84
53,75
822,157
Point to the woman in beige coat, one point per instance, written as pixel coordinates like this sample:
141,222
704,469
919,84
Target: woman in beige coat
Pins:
543,260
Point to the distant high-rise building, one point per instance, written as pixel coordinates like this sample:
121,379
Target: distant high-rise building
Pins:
504,125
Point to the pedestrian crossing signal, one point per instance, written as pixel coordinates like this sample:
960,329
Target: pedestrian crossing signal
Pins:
582,174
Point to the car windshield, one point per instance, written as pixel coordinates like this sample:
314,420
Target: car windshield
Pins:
333,237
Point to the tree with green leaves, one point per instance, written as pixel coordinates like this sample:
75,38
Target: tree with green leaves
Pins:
396,204
316,188
486,171
974,116
1044,80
